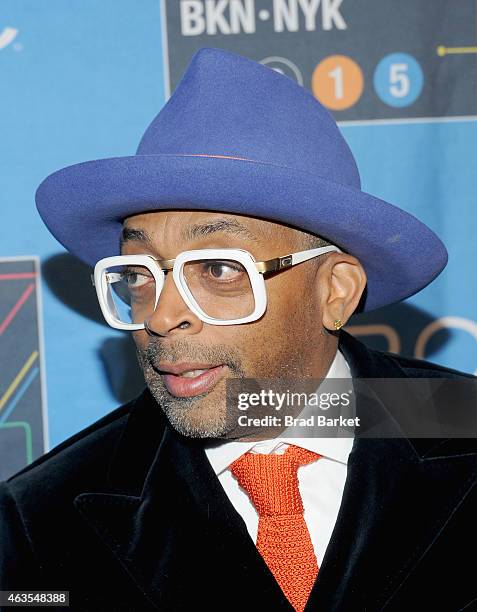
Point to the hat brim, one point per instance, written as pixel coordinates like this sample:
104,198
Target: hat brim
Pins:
84,206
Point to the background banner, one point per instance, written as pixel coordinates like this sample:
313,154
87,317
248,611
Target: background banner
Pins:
23,423
82,80
367,59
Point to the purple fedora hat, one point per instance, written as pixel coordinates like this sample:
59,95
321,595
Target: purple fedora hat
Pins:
238,137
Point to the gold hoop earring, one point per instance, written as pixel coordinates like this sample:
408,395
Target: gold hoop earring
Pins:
337,324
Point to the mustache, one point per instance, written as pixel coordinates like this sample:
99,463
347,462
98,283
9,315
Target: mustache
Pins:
181,350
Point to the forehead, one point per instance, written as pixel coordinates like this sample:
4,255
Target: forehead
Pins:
188,225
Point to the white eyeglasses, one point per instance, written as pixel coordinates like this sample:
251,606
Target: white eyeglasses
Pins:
221,286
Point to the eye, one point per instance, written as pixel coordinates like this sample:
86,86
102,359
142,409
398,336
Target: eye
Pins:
223,270
134,279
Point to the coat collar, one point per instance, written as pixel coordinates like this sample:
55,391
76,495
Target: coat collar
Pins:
163,495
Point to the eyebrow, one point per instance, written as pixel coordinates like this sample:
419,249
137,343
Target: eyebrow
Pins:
230,226
132,234
198,230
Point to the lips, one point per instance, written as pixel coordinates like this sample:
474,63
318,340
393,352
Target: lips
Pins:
190,379
183,366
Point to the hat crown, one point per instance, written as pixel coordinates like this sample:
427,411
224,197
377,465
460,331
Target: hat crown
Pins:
226,104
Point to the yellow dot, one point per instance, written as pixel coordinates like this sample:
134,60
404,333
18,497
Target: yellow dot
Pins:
441,50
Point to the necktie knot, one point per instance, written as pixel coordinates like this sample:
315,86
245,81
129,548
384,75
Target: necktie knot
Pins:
271,481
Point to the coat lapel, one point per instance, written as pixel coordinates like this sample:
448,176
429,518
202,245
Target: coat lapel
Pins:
168,521
398,496
177,535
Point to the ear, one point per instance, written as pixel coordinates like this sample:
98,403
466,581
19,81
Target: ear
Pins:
342,280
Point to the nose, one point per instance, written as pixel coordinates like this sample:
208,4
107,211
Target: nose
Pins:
172,315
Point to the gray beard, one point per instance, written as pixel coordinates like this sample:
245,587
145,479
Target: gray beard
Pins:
183,413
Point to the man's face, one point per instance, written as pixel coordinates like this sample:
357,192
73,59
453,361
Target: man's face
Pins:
288,341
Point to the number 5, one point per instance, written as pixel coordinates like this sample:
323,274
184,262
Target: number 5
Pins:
399,80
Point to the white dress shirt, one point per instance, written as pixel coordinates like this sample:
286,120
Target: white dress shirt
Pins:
321,482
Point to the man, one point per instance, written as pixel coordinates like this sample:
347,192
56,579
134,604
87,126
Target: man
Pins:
234,245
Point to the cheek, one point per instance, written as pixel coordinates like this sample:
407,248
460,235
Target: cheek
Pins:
293,312
140,338
289,296
270,344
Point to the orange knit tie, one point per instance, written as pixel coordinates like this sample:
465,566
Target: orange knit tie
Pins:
283,540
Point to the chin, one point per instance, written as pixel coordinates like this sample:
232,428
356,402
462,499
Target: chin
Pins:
197,418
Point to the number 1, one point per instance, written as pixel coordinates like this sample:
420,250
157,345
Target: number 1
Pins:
337,76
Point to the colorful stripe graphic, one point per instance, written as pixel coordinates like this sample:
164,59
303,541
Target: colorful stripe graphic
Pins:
11,315
17,380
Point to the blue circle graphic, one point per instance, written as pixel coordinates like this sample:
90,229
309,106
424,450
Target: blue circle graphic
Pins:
398,79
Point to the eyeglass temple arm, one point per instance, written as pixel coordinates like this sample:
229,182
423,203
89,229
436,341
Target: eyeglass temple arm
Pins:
287,261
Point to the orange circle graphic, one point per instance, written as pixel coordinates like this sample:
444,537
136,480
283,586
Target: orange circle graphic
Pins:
337,82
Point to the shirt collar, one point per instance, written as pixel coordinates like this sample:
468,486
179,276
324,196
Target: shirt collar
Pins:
222,453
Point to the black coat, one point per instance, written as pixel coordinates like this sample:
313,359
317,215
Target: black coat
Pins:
129,515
